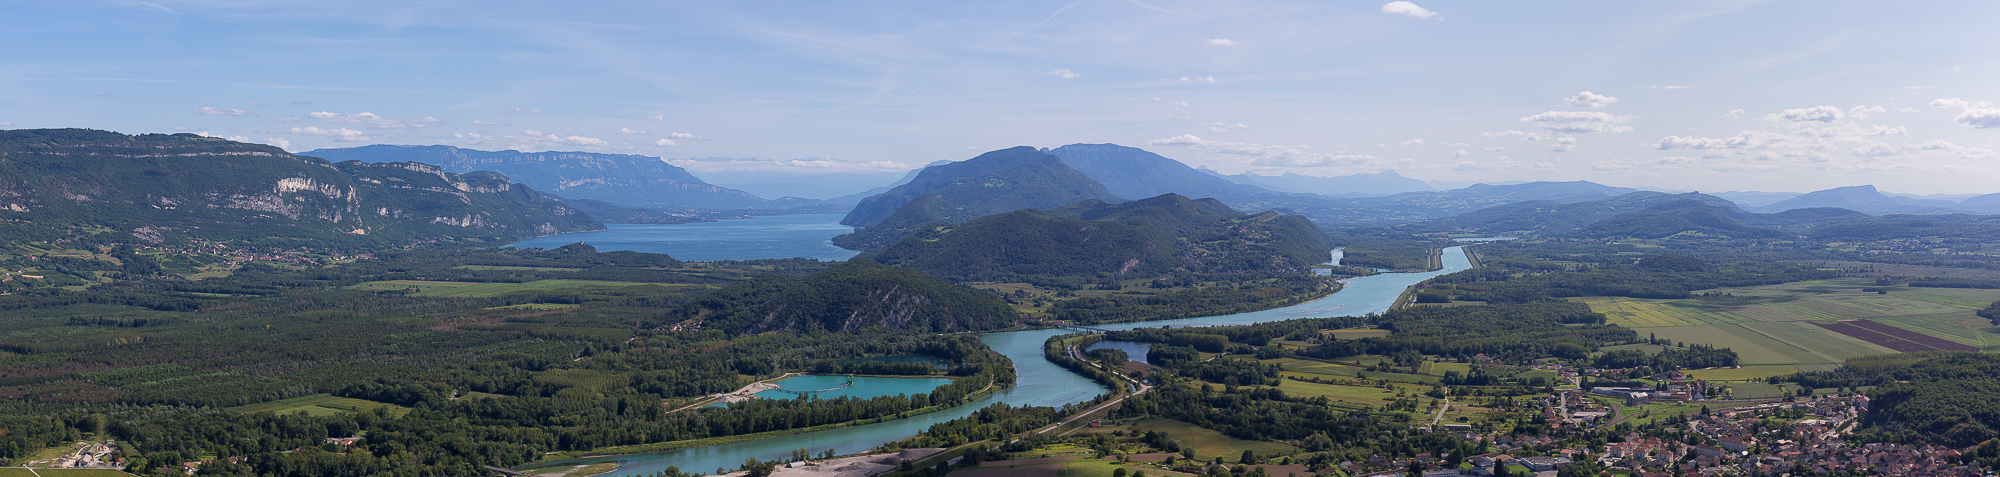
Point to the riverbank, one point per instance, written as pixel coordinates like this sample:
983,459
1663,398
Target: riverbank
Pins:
617,451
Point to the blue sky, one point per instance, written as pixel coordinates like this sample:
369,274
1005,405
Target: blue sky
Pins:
1779,96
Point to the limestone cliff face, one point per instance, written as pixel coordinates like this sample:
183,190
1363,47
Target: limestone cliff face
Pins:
176,187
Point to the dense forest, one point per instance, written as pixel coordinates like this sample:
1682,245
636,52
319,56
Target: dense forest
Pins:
450,360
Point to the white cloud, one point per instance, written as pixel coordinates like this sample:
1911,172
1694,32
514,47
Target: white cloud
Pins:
6,124
525,111
656,117
1181,103
1503,163
338,134
1222,42
483,122
1948,103
533,140
666,143
375,120
1742,140
1861,112
1733,114
1496,149
1876,150
1824,114
254,103
1401,7
1460,153
1223,127
1579,122
288,120
689,137
630,131
1064,74
1590,100
1412,142
1198,79
1981,118
1563,144
1947,146
280,142
1507,133
212,111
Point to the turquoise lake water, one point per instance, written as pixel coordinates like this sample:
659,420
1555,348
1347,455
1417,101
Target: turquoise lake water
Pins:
864,387
1041,383
778,236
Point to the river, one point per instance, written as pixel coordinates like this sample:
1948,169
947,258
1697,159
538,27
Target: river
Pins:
1041,382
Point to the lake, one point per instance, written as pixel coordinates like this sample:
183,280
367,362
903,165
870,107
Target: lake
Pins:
777,236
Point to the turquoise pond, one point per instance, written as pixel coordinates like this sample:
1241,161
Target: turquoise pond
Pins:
864,386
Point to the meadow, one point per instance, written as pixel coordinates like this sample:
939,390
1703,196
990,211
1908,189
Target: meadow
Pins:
1773,325
319,405
1210,444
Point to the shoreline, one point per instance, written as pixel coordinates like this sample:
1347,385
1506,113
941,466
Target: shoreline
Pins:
691,443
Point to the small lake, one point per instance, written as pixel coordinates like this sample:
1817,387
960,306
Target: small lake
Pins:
864,387
777,236
1134,350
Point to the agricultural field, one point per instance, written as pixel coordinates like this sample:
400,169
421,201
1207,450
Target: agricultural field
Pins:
1309,368
1787,324
320,405
16,472
1358,333
479,290
1743,373
1209,444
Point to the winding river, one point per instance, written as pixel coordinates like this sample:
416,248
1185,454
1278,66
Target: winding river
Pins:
1041,382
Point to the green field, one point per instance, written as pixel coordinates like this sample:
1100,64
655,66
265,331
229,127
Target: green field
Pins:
1358,333
320,405
1647,348
1757,390
1307,368
1774,324
519,269
1365,395
1209,444
1433,367
1743,373
478,290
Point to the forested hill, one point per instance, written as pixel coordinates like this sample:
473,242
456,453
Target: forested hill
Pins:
104,187
854,295
1000,181
623,179
1164,235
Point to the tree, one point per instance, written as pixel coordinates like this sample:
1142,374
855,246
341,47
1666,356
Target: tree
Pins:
1248,457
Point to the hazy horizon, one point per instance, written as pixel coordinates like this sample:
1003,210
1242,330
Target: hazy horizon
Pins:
1709,96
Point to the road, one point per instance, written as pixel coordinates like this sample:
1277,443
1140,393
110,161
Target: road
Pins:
1141,389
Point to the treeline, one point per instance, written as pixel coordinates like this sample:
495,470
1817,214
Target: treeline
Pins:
1206,301
1267,413
1673,277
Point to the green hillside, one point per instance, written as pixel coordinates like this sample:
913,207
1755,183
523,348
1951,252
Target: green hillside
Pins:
1000,181
1165,235
100,187
854,295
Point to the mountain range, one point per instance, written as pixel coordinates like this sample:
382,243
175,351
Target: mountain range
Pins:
621,179
159,188
1165,235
